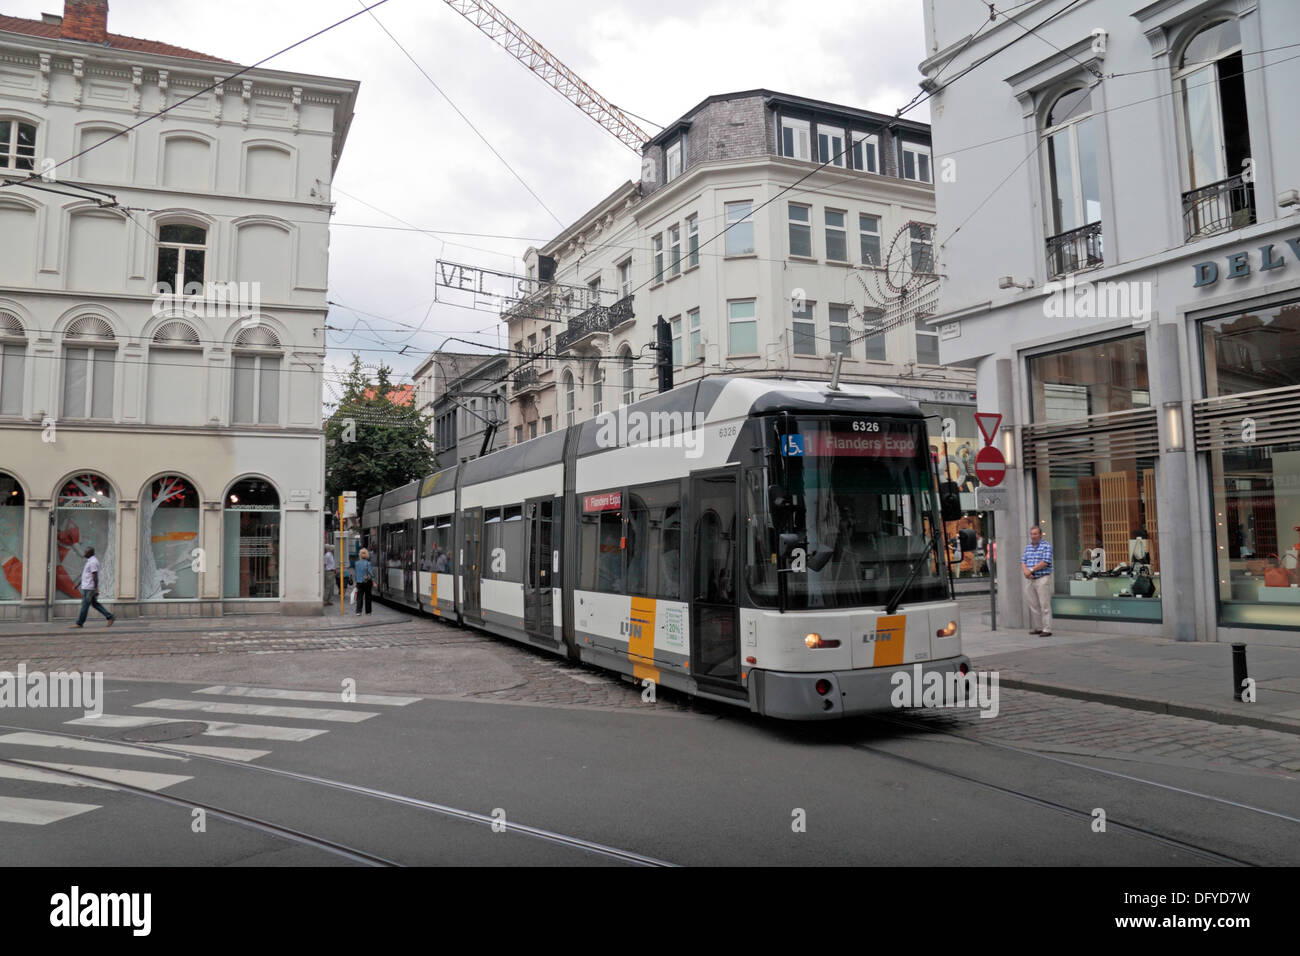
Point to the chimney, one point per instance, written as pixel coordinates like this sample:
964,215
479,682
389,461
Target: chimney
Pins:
85,20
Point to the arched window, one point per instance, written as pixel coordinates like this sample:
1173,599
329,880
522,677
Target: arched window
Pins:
256,388
17,145
182,259
250,557
629,389
169,531
1214,132
11,538
13,358
89,358
175,367
1072,185
85,516
570,412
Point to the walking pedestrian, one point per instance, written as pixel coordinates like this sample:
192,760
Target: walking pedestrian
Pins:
363,573
331,571
90,590
1037,567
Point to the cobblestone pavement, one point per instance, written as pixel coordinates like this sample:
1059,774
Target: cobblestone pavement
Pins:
435,659
1063,725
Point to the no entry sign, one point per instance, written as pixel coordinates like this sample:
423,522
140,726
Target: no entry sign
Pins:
990,466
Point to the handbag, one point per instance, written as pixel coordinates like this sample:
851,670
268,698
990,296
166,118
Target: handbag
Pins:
1143,586
353,598
1277,578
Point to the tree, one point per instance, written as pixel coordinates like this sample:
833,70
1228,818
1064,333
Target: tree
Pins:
374,443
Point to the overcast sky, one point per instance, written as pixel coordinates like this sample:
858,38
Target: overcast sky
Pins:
411,155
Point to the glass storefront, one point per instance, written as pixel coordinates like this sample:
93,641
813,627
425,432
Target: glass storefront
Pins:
11,538
1255,470
954,442
169,531
1096,492
251,557
85,515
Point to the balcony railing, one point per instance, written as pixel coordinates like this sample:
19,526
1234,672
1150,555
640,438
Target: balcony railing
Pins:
1218,207
1075,250
598,320
527,379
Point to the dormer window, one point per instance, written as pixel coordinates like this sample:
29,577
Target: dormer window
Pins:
916,163
794,140
17,145
864,155
673,161
830,146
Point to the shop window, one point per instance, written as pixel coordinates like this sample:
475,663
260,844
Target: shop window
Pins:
12,512
1095,379
250,561
1254,464
169,532
85,516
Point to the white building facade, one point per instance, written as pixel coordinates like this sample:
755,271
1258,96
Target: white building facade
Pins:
797,278
179,434
1126,282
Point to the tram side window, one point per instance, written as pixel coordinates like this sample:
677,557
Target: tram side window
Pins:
428,544
493,553
394,546
443,561
512,540
601,554
654,541
760,546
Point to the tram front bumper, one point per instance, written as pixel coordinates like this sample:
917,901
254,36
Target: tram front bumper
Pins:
795,696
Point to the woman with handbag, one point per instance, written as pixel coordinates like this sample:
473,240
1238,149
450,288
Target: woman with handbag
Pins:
363,574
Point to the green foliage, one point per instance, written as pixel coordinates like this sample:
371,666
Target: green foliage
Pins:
372,444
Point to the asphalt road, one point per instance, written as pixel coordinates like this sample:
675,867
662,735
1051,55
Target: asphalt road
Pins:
417,780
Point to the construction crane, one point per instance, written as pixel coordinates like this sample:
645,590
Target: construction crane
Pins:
517,42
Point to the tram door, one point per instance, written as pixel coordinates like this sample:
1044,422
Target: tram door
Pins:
715,624
470,560
538,525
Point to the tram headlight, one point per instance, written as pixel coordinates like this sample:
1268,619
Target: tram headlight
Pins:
948,631
814,641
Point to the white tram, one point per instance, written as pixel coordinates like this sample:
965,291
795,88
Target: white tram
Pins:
769,543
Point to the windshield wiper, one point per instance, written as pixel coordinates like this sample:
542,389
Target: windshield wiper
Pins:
897,599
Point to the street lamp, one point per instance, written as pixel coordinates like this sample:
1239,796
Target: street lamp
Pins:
1174,440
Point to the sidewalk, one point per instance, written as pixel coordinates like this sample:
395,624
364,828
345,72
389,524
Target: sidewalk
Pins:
1184,678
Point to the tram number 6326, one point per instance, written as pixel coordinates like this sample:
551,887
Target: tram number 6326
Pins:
866,426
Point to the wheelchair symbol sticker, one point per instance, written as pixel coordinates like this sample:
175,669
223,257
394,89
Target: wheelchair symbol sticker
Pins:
792,447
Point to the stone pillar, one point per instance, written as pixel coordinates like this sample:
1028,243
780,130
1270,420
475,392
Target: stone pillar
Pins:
211,519
36,551
128,552
1176,539
1011,523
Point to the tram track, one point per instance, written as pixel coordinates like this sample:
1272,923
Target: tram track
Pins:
299,836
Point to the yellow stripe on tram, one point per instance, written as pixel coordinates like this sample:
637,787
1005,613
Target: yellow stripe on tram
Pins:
641,639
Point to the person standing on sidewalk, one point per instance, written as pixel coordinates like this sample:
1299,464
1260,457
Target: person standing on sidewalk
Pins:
1037,566
331,568
90,590
363,573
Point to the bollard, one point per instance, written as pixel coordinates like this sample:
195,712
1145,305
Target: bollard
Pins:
1238,669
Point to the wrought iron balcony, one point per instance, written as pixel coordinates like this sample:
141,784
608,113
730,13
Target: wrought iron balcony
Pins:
598,320
1218,207
1075,250
527,379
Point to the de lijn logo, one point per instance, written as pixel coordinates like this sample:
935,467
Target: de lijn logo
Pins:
1207,273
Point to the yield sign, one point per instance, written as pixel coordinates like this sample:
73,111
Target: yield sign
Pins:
988,423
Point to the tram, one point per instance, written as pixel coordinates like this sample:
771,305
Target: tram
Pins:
770,543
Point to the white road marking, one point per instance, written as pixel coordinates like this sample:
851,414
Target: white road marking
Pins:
46,740
132,778
216,728
228,753
322,696
262,710
44,776
39,812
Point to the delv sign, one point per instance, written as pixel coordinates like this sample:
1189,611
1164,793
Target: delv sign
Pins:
1238,264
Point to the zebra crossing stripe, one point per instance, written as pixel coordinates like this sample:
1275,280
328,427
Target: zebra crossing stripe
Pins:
9,772
39,812
143,779
262,710
216,728
321,696
28,739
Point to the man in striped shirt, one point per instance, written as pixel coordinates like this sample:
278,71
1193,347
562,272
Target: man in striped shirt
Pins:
1037,566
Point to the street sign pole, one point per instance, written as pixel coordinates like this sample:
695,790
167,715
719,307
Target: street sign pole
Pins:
990,469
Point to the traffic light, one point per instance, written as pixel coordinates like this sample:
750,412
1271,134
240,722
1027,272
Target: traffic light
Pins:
664,354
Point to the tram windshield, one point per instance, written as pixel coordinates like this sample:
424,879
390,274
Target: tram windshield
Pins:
843,511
